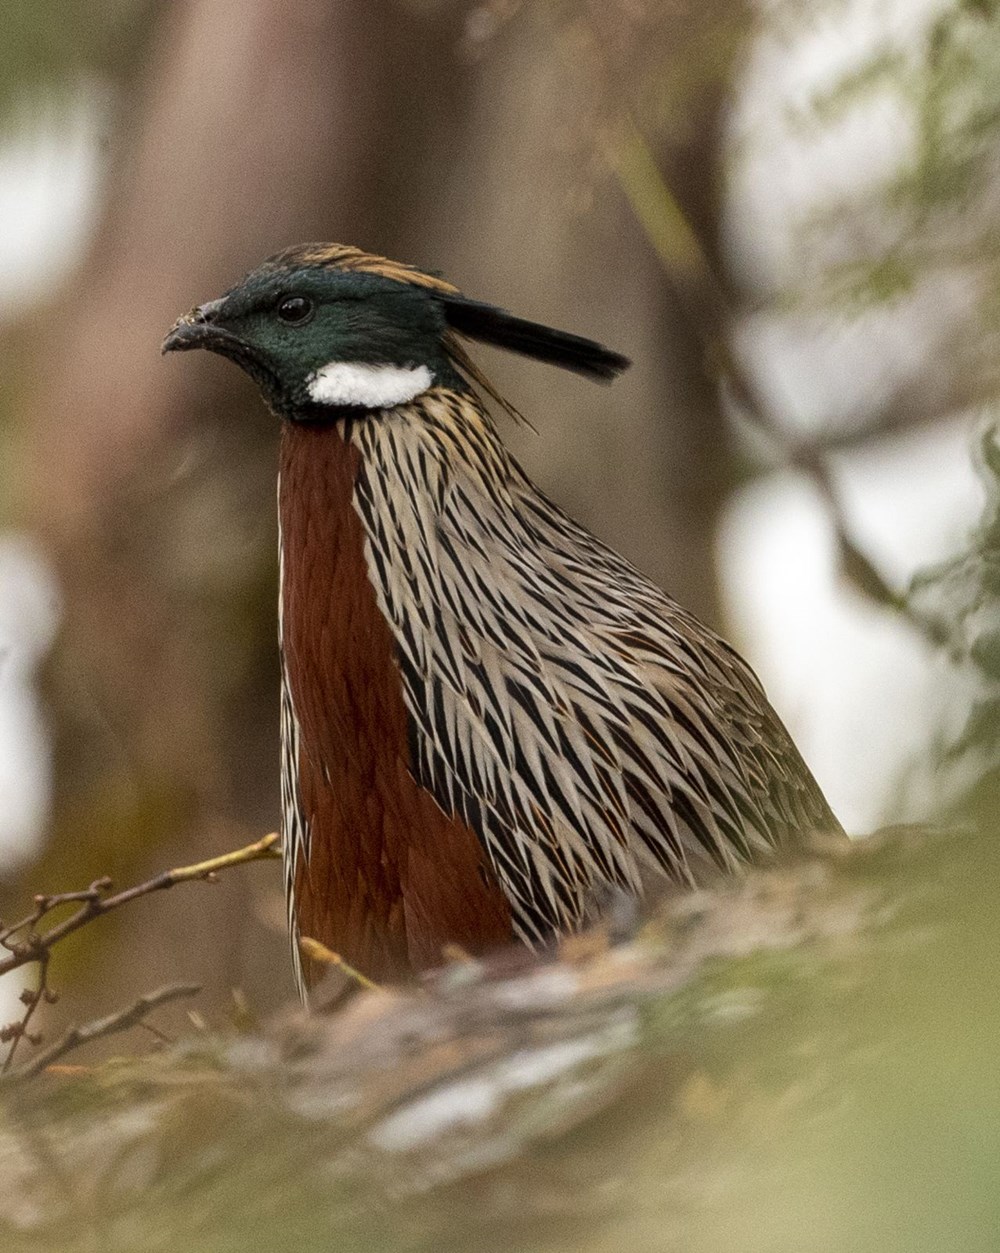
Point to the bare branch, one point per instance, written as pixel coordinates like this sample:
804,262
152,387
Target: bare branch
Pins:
27,945
96,904
15,1032
131,1016
857,567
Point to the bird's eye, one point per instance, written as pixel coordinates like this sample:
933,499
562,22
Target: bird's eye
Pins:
295,309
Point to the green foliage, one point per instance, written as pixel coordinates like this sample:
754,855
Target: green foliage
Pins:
963,595
859,285
935,209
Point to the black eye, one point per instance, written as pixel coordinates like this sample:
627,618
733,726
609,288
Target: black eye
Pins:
295,309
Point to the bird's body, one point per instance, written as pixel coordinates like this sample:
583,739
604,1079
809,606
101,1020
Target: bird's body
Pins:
490,721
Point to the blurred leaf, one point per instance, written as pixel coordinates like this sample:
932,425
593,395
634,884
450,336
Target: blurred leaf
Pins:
48,45
885,69
963,595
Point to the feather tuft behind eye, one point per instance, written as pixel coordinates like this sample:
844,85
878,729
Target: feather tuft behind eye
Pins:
491,325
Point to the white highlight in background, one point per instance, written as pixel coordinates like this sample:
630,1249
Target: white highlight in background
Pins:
860,690
29,616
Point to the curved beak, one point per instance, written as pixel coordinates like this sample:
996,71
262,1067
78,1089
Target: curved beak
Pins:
197,329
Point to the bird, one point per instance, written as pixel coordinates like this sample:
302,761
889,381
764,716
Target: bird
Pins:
493,727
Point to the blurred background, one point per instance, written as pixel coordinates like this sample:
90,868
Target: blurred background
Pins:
785,212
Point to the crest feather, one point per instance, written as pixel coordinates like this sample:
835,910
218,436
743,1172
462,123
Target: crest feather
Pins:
490,325
353,260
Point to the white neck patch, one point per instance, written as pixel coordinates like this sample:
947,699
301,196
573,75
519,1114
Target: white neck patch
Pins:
373,386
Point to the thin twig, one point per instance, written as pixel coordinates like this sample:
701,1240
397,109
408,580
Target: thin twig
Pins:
858,568
160,1036
95,904
18,1031
26,944
318,952
131,1016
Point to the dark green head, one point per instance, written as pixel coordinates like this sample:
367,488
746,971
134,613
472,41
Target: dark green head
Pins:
324,327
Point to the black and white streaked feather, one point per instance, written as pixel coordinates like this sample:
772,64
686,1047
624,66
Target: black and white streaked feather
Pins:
589,730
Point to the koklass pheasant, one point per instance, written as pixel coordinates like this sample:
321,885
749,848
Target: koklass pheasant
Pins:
491,723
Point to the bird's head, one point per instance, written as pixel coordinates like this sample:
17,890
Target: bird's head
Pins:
324,327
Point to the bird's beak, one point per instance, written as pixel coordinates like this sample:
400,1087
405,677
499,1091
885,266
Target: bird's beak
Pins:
198,329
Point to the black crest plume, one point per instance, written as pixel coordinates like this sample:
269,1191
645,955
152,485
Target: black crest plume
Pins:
490,325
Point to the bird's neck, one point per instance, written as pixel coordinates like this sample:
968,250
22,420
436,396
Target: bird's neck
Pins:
387,878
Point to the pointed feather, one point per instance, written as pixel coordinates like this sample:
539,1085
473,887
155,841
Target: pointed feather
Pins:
491,325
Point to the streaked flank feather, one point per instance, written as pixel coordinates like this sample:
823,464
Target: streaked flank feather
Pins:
590,730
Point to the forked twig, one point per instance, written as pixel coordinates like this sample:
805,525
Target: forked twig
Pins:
131,1016
27,945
